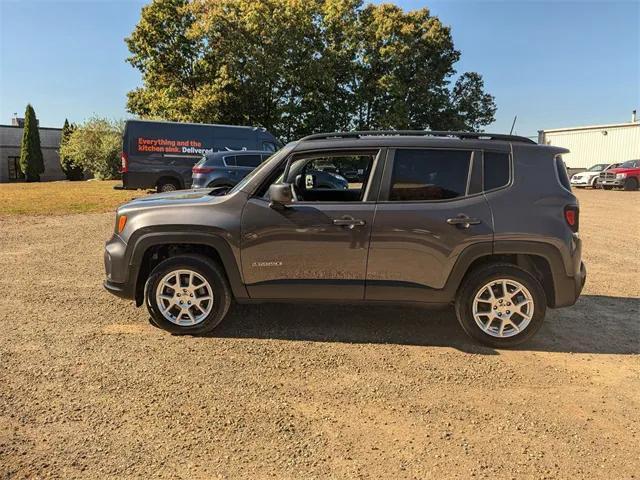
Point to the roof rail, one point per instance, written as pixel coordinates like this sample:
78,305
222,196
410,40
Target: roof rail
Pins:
423,133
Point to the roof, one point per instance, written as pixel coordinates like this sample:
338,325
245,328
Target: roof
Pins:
138,120
592,127
419,133
39,128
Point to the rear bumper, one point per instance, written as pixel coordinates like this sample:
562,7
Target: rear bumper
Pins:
568,289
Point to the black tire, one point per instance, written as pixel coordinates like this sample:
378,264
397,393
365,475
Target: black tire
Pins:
595,183
211,272
167,186
631,184
607,187
484,275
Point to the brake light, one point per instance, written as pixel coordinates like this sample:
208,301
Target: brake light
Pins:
202,170
572,217
124,168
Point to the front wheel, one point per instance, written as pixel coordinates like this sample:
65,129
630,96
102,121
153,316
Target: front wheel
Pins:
187,294
631,184
595,183
501,305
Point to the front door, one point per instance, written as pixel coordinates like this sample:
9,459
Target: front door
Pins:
432,208
316,247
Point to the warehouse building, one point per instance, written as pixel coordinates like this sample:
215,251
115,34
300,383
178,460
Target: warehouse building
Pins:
594,144
10,140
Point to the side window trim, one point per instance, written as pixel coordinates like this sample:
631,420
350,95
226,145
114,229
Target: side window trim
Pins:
387,177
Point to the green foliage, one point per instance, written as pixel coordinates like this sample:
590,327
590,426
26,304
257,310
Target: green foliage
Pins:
95,146
31,162
70,169
298,67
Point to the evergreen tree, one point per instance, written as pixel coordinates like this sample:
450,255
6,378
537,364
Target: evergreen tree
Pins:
71,170
31,162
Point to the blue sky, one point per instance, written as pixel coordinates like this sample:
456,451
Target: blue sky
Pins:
553,64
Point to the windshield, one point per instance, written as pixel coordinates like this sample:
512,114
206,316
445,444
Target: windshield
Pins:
272,160
598,168
630,164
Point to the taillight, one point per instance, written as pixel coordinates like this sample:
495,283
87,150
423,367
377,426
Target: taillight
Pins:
572,217
202,170
124,168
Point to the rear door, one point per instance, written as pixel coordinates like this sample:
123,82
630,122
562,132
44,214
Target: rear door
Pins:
430,208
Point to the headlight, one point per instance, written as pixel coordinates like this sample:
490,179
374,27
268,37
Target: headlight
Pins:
621,175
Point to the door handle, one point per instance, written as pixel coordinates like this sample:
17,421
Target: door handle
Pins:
348,222
462,221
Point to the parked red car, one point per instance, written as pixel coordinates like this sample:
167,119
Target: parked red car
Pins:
626,176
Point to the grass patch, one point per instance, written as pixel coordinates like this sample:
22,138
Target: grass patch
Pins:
61,198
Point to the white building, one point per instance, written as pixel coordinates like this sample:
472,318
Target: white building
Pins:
596,144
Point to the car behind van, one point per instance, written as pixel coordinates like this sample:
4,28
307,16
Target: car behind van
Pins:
161,155
225,169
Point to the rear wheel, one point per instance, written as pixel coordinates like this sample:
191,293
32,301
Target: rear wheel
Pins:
631,184
501,305
167,186
187,294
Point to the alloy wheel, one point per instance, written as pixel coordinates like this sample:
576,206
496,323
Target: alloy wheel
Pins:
503,308
184,297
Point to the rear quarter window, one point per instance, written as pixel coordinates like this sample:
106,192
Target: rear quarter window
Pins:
561,169
496,170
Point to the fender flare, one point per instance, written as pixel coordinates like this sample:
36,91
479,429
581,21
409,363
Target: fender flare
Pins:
139,244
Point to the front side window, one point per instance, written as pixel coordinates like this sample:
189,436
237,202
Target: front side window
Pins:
630,164
330,178
496,170
420,175
598,168
248,160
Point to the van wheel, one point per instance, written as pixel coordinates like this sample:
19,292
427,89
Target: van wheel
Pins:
187,294
631,184
501,305
167,186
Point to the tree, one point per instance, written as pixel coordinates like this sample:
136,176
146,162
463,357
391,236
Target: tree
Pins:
95,146
70,169
31,162
301,67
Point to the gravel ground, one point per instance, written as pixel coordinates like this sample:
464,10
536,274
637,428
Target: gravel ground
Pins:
89,389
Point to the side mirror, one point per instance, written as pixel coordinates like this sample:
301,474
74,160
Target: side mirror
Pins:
280,194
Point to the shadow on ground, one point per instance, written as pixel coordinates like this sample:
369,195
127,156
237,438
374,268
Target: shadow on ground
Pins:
596,324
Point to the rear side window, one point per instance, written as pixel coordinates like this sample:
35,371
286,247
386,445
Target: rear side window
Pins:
420,175
496,170
230,161
248,160
562,173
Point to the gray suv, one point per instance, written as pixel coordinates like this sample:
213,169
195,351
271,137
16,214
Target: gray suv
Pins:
487,223
225,169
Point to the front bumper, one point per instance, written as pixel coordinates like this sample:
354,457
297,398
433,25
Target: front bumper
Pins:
117,269
581,182
618,182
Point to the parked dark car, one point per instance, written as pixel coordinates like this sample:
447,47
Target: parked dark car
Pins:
440,218
161,155
225,169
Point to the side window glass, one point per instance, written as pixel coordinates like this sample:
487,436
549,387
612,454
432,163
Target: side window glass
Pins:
230,161
248,160
562,173
331,178
420,175
496,170
268,146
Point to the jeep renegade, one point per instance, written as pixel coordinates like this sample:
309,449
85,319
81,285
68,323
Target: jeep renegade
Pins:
485,222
